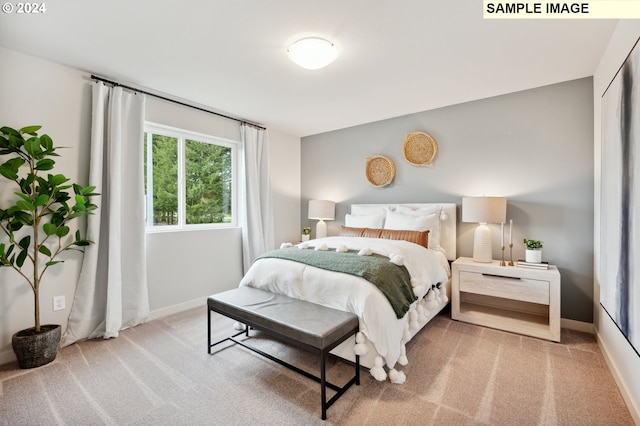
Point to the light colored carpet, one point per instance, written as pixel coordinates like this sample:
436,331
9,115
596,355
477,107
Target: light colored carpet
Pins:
160,374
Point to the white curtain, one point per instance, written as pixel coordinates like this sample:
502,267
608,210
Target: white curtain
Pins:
257,220
112,289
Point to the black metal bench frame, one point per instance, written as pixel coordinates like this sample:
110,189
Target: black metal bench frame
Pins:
323,352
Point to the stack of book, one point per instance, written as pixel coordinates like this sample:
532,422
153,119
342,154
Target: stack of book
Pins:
523,264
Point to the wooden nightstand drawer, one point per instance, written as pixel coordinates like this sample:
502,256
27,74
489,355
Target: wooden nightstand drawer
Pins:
523,289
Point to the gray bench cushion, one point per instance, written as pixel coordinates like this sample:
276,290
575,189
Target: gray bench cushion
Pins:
309,323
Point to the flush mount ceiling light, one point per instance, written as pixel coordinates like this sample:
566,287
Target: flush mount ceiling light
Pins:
312,53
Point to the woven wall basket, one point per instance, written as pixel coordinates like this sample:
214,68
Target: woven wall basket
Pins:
419,148
380,170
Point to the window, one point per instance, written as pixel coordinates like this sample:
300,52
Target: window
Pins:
190,179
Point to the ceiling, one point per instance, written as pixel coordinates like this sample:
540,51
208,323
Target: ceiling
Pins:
396,57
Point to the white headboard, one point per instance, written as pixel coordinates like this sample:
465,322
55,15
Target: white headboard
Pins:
448,223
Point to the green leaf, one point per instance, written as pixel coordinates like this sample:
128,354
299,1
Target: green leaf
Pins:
50,228
10,132
32,146
25,184
83,243
58,179
7,172
16,142
25,205
45,164
23,196
45,250
42,200
30,130
63,231
25,242
88,190
46,142
16,225
54,262
21,258
57,219
10,168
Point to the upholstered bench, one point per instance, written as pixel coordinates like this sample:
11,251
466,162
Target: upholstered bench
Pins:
313,327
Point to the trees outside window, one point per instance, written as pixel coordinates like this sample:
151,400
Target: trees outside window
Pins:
190,179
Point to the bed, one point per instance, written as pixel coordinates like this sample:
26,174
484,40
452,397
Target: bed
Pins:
393,234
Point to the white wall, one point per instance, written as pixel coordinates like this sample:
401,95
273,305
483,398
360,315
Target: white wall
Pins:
622,359
185,267
35,92
284,159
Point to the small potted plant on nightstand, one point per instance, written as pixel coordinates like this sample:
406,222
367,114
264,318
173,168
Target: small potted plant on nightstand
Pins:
533,251
306,232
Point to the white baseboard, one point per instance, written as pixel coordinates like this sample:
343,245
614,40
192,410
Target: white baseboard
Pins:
585,327
633,409
7,357
174,309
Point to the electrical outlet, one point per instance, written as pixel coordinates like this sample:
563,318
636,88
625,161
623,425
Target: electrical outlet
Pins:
58,303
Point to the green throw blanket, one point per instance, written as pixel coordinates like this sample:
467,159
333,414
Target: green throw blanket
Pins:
393,281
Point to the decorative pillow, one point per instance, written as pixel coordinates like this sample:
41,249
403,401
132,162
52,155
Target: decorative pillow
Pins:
364,221
371,232
347,231
418,237
416,220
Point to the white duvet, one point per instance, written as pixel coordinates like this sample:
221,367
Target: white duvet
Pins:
378,321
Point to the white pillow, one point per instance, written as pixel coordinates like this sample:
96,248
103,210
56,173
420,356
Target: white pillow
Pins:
364,221
360,210
436,208
414,221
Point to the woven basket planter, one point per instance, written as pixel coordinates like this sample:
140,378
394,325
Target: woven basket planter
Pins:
36,349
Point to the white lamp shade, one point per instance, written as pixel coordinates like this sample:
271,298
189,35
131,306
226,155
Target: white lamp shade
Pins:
322,209
484,209
312,53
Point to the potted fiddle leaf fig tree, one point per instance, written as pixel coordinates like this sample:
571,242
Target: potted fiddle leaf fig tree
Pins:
36,227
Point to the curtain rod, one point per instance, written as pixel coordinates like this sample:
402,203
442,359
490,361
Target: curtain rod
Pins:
115,83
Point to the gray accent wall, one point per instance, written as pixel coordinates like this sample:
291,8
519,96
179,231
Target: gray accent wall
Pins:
534,147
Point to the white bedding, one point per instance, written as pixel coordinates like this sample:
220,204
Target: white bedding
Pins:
378,321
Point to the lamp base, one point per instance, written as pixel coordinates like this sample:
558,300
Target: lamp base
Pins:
321,229
482,244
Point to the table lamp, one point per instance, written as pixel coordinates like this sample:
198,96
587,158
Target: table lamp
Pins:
322,210
483,210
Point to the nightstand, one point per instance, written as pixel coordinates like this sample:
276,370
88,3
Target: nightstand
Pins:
510,298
